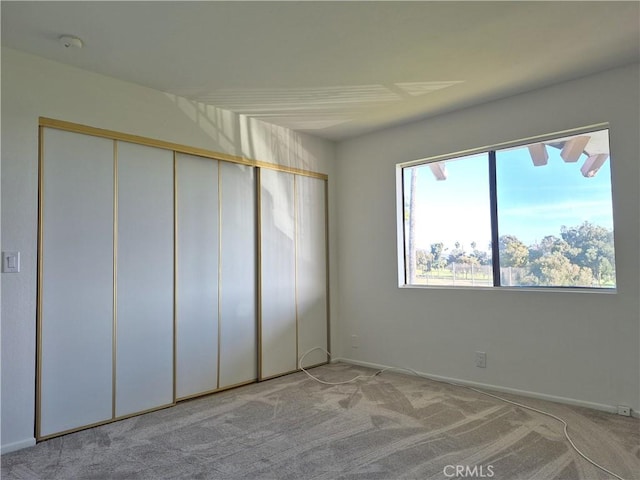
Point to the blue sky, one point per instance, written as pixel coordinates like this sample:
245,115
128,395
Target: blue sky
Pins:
532,201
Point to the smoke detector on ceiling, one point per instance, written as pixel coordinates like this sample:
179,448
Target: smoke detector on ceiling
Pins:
69,41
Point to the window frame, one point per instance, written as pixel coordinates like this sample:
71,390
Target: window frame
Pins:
490,151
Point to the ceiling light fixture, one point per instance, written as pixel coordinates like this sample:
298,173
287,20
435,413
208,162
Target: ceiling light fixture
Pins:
69,41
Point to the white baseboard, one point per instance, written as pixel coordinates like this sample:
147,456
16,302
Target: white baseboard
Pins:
497,388
12,447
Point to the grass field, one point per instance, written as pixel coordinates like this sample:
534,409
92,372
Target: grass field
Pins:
479,276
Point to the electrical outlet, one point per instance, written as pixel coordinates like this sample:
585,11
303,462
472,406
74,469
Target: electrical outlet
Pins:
481,359
624,410
354,341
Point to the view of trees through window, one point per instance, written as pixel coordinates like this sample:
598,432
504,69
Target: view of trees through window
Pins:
553,225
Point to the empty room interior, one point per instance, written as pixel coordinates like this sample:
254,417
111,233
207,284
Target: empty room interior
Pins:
356,240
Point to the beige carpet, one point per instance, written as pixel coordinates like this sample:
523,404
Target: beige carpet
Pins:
390,427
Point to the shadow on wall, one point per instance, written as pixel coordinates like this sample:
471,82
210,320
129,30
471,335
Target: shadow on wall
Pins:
249,137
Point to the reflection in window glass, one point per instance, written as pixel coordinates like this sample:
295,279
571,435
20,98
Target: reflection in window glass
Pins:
555,216
447,223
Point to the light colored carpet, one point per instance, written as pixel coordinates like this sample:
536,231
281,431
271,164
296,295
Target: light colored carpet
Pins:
393,426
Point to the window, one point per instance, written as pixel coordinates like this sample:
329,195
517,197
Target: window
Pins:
532,215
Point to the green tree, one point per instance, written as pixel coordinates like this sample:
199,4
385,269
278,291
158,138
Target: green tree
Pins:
549,244
424,260
557,270
591,246
462,259
513,253
456,254
482,258
436,251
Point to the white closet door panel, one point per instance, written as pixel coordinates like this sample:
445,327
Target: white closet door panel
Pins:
238,311
197,279
279,336
77,282
144,364
311,267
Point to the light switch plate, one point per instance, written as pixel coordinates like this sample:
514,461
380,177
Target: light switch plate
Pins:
10,262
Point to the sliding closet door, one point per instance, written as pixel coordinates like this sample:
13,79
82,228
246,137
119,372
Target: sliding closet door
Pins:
277,232
197,249
76,317
311,266
238,313
144,354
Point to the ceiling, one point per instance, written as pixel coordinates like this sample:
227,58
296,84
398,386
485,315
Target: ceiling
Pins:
333,69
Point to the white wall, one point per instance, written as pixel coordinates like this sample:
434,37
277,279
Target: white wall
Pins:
583,347
33,87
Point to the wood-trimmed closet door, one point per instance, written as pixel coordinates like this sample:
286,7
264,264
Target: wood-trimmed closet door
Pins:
144,346
238,271
197,285
278,271
311,270
76,282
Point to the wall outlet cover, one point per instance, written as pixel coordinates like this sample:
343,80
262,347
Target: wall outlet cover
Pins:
624,410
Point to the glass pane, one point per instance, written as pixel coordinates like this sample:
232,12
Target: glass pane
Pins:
447,223
555,217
